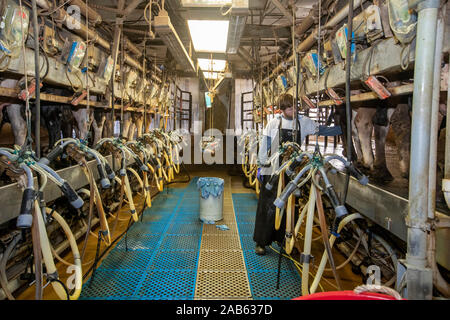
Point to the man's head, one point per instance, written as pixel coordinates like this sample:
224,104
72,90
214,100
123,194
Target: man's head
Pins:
285,103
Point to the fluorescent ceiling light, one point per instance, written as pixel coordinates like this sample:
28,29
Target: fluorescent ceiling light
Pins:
212,65
211,75
209,35
165,29
204,3
236,30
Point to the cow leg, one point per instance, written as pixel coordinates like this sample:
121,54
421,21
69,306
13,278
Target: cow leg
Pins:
108,130
68,121
340,119
401,125
126,124
149,121
364,125
139,124
1,114
18,123
131,132
132,127
97,125
381,171
52,118
356,141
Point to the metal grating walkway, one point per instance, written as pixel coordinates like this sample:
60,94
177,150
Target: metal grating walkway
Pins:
173,256
262,270
162,256
221,271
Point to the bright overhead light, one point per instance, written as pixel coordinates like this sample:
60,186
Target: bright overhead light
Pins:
211,75
204,3
209,35
212,65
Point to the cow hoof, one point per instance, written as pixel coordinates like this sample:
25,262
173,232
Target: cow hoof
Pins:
363,169
382,175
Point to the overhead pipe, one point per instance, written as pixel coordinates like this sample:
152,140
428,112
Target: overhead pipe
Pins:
307,22
94,16
132,47
312,38
135,31
133,5
417,279
71,21
105,8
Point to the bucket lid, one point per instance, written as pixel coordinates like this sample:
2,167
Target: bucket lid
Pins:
210,186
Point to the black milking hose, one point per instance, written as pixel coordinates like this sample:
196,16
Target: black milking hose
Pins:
37,80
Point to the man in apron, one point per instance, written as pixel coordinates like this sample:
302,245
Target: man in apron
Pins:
279,130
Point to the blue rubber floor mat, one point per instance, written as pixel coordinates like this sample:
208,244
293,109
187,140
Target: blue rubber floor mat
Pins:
158,258
263,270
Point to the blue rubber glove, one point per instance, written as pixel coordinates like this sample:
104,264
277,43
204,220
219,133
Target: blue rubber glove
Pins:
259,176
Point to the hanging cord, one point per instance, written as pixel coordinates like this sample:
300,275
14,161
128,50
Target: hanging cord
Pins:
121,81
348,107
29,139
37,101
144,73
210,69
319,30
295,97
87,71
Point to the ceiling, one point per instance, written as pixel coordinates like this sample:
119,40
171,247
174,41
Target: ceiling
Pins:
265,41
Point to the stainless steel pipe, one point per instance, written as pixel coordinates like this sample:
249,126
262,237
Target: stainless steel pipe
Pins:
418,284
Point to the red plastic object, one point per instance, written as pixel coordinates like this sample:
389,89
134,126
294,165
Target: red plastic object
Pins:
346,295
377,87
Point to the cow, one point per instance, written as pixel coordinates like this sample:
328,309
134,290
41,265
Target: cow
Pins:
65,123
376,118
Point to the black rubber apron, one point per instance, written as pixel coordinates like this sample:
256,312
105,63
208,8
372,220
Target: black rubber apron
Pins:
264,233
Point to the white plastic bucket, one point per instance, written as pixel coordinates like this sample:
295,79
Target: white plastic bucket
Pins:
211,209
211,203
